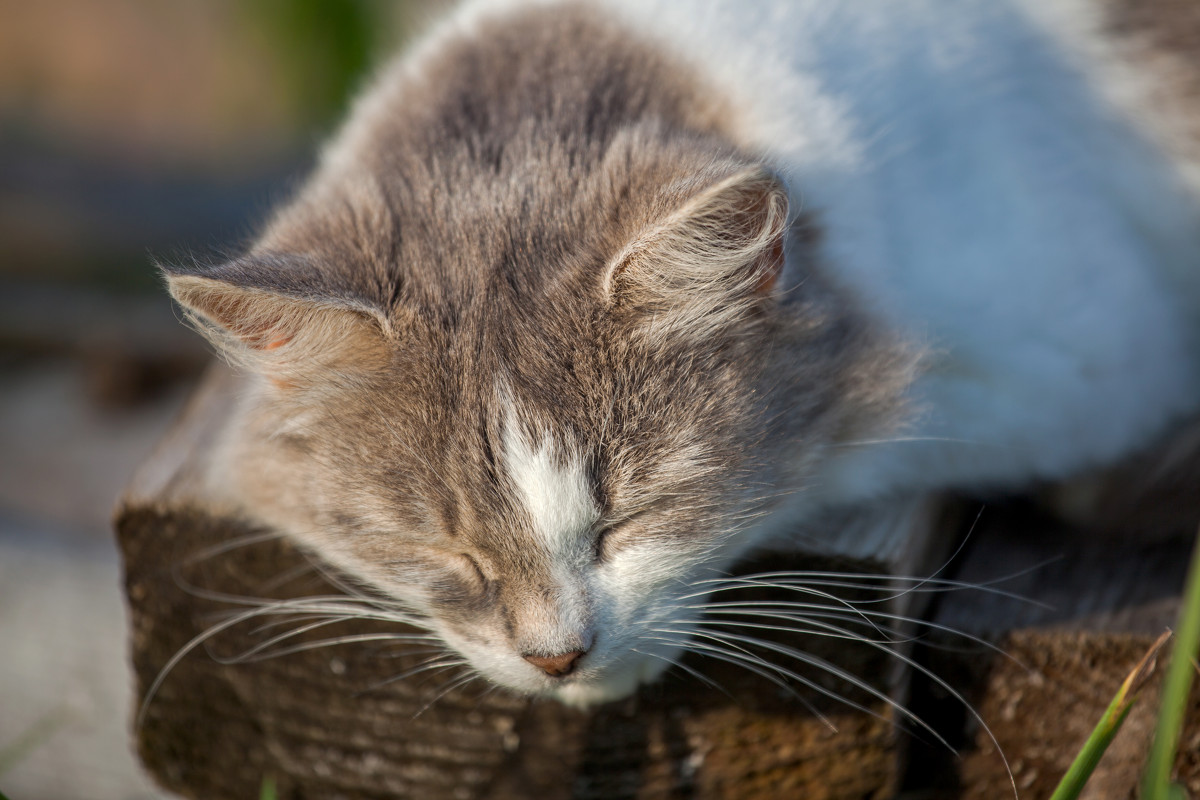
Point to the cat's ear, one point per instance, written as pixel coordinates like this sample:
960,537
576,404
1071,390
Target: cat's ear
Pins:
712,259
266,315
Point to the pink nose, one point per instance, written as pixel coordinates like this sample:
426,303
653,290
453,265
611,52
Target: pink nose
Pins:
561,664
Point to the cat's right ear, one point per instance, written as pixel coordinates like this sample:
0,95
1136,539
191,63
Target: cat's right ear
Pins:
708,263
261,315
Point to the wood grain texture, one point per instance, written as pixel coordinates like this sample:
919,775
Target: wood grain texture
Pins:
1042,704
328,723
1084,608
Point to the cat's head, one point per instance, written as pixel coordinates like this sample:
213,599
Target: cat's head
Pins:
538,440
535,350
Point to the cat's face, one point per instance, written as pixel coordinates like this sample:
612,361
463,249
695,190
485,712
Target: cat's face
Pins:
542,452
556,558
547,516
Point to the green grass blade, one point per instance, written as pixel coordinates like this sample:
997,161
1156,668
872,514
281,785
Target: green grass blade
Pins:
1102,735
40,732
267,792
1156,781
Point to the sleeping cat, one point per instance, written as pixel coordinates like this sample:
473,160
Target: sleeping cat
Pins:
587,301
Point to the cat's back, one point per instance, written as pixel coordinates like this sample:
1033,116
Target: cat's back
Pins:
1014,184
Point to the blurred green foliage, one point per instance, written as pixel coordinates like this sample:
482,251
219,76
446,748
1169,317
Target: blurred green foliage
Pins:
324,47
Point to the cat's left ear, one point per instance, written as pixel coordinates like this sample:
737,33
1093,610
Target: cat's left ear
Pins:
273,315
714,257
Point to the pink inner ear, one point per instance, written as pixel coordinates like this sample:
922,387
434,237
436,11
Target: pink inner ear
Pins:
277,342
257,331
262,336
760,199
772,265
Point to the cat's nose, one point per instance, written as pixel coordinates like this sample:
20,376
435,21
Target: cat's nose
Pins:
561,664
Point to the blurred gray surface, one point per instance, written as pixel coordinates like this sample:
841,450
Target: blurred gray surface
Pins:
65,685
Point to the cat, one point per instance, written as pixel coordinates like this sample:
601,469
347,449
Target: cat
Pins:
587,301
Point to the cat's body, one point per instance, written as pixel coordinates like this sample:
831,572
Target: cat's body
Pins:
587,301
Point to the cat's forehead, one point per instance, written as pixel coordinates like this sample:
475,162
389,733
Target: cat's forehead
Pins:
535,467
551,482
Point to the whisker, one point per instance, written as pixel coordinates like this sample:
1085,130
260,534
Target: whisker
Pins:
331,606
866,581
233,544
743,658
182,652
825,629
833,669
911,439
677,664
337,579
843,674
316,615
319,621
838,601
442,660
286,577
834,613
460,682
333,641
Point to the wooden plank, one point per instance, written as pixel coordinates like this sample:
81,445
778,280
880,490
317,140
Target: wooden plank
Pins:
1085,607
328,721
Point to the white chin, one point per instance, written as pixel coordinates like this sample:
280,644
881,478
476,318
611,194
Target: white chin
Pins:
613,685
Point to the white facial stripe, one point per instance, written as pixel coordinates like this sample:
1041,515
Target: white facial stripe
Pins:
553,487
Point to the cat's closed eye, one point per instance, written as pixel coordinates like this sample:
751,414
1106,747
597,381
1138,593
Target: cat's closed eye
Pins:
604,547
615,536
467,568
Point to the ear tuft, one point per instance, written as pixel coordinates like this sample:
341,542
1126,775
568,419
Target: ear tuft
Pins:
718,254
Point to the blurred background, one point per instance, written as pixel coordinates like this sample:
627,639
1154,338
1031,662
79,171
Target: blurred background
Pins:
130,130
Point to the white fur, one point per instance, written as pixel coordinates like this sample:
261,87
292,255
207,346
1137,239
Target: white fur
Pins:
979,195
553,488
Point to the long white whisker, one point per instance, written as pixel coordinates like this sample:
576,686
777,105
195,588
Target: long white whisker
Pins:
440,661
743,658
912,439
326,605
845,675
318,621
232,544
677,664
351,638
756,609
348,614
182,652
333,606
287,576
837,601
866,581
460,682
819,628
833,669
